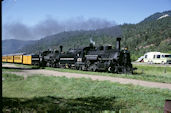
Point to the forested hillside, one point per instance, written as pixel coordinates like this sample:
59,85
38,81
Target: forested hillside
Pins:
148,36
152,34
156,16
75,39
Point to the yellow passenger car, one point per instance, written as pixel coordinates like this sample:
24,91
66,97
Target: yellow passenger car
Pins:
27,59
18,58
10,58
4,58
31,59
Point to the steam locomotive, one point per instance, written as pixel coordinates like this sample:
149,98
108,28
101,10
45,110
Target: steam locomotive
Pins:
90,58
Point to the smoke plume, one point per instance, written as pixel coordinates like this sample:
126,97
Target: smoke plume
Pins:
50,26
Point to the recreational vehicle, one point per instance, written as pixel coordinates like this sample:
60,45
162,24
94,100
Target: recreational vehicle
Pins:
157,57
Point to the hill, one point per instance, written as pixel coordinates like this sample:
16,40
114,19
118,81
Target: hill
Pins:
12,46
148,36
74,39
157,16
152,34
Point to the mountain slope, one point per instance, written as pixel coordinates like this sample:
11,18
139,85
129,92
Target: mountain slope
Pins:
148,36
74,39
157,16
12,45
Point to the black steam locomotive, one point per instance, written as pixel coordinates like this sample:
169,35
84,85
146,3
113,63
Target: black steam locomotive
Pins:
102,58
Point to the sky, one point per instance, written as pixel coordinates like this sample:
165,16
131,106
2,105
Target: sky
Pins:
30,13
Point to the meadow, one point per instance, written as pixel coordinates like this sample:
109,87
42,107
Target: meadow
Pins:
146,72
59,94
143,72
63,95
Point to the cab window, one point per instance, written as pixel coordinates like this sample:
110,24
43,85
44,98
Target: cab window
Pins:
109,47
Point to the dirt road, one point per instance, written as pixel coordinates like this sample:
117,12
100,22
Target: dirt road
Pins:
31,72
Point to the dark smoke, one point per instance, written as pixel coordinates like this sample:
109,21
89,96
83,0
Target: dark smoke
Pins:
17,31
49,26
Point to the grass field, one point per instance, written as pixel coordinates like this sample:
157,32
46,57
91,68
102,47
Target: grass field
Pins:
143,72
147,73
60,94
10,70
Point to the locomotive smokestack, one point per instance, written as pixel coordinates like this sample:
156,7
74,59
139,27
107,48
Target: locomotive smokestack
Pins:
60,48
118,39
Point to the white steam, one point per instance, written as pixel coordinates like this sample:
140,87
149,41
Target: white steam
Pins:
93,42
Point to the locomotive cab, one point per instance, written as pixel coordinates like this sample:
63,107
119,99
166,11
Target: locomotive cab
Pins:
125,61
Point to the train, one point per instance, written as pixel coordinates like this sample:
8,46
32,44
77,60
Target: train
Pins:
89,58
21,58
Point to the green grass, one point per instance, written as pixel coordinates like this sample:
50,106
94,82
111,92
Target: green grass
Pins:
60,94
10,70
144,72
147,73
28,66
154,70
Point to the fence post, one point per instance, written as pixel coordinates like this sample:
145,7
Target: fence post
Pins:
167,106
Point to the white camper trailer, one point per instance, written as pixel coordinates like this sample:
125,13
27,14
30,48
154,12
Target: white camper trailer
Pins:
157,57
